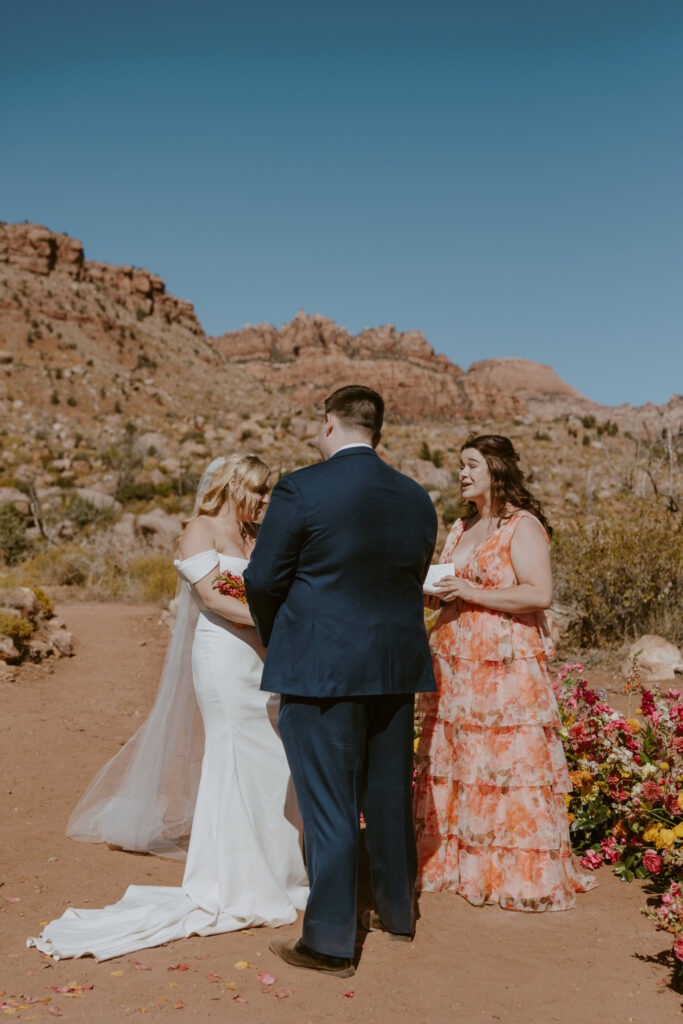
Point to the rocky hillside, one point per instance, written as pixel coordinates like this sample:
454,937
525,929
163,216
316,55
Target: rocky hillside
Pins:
309,357
112,399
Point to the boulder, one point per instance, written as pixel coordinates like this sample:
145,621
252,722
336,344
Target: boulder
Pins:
8,651
158,529
426,473
658,659
15,497
22,601
98,498
143,443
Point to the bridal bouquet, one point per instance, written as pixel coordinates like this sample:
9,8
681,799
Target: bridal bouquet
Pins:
230,586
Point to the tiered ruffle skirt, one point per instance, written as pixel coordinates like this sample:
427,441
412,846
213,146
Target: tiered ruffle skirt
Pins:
490,809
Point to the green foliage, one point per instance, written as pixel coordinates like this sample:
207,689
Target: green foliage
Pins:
155,576
65,565
14,544
45,601
16,627
624,574
588,421
83,512
450,513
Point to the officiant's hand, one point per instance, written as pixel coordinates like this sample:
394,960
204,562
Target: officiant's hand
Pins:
432,602
452,587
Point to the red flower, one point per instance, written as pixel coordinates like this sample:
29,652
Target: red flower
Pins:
678,949
651,791
652,862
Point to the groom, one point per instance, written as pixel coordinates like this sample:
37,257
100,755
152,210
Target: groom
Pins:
335,589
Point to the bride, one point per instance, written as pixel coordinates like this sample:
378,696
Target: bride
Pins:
244,864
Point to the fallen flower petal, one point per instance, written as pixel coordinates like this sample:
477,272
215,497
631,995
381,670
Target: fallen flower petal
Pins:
12,899
117,974
55,1011
213,977
179,1005
139,966
284,993
239,999
241,965
349,994
231,985
265,978
179,967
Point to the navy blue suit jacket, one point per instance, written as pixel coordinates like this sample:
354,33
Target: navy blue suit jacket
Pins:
335,580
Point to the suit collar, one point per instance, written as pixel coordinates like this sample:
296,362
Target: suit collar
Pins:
355,450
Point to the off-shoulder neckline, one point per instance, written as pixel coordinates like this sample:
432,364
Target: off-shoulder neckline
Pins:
212,551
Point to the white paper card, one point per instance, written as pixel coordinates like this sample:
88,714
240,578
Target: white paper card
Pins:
436,573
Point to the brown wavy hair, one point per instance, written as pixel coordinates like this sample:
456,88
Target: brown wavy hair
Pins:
240,477
509,491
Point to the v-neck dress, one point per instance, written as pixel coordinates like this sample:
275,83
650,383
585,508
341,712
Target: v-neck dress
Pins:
490,809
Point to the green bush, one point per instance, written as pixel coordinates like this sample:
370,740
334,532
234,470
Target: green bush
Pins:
14,544
16,627
83,512
156,577
624,574
65,565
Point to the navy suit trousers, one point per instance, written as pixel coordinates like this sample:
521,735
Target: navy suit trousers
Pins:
348,755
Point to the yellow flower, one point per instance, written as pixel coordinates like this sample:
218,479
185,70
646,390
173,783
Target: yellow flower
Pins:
651,834
638,711
415,743
634,725
680,801
567,800
678,831
666,838
664,766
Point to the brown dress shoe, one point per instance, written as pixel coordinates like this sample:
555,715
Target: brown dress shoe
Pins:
298,954
371,920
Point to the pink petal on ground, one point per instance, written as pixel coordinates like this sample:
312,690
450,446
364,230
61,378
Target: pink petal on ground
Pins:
12,899
284,993
139,966
179,967
213,977
265,978
349,994
239,999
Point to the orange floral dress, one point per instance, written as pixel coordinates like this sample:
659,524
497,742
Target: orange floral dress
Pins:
490,810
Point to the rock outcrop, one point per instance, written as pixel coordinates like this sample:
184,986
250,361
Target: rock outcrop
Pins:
310,356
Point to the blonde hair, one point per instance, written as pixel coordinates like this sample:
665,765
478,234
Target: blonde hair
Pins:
240,478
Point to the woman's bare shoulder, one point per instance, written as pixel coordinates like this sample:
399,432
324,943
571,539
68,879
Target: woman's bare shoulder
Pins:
197,536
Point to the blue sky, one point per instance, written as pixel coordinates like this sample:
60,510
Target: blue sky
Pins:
504,175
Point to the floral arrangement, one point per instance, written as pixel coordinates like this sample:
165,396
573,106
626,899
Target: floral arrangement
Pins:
627,805
229,585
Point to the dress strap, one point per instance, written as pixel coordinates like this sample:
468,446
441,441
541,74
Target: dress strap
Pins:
197,566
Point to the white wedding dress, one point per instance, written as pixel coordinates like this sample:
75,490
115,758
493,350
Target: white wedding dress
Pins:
244,863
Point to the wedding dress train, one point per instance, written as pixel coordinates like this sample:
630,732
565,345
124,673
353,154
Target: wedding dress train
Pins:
244,863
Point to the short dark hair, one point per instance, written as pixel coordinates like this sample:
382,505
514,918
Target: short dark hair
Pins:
357,406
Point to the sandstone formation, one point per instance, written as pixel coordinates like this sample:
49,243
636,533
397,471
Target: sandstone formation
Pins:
311,356
546,396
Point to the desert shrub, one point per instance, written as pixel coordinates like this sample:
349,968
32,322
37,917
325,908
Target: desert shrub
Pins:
16,627
437,458
424,452
14,544
624,575
64,565
155,576
45,601
83,512
450,513
134,490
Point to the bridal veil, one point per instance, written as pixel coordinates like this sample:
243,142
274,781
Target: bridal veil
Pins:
143,799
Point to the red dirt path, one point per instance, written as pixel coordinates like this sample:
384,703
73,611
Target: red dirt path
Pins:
594,964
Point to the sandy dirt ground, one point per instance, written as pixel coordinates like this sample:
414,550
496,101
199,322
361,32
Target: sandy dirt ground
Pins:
602,962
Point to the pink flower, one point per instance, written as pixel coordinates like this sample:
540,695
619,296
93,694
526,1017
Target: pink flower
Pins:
652,862
678,949
675,889
592,860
